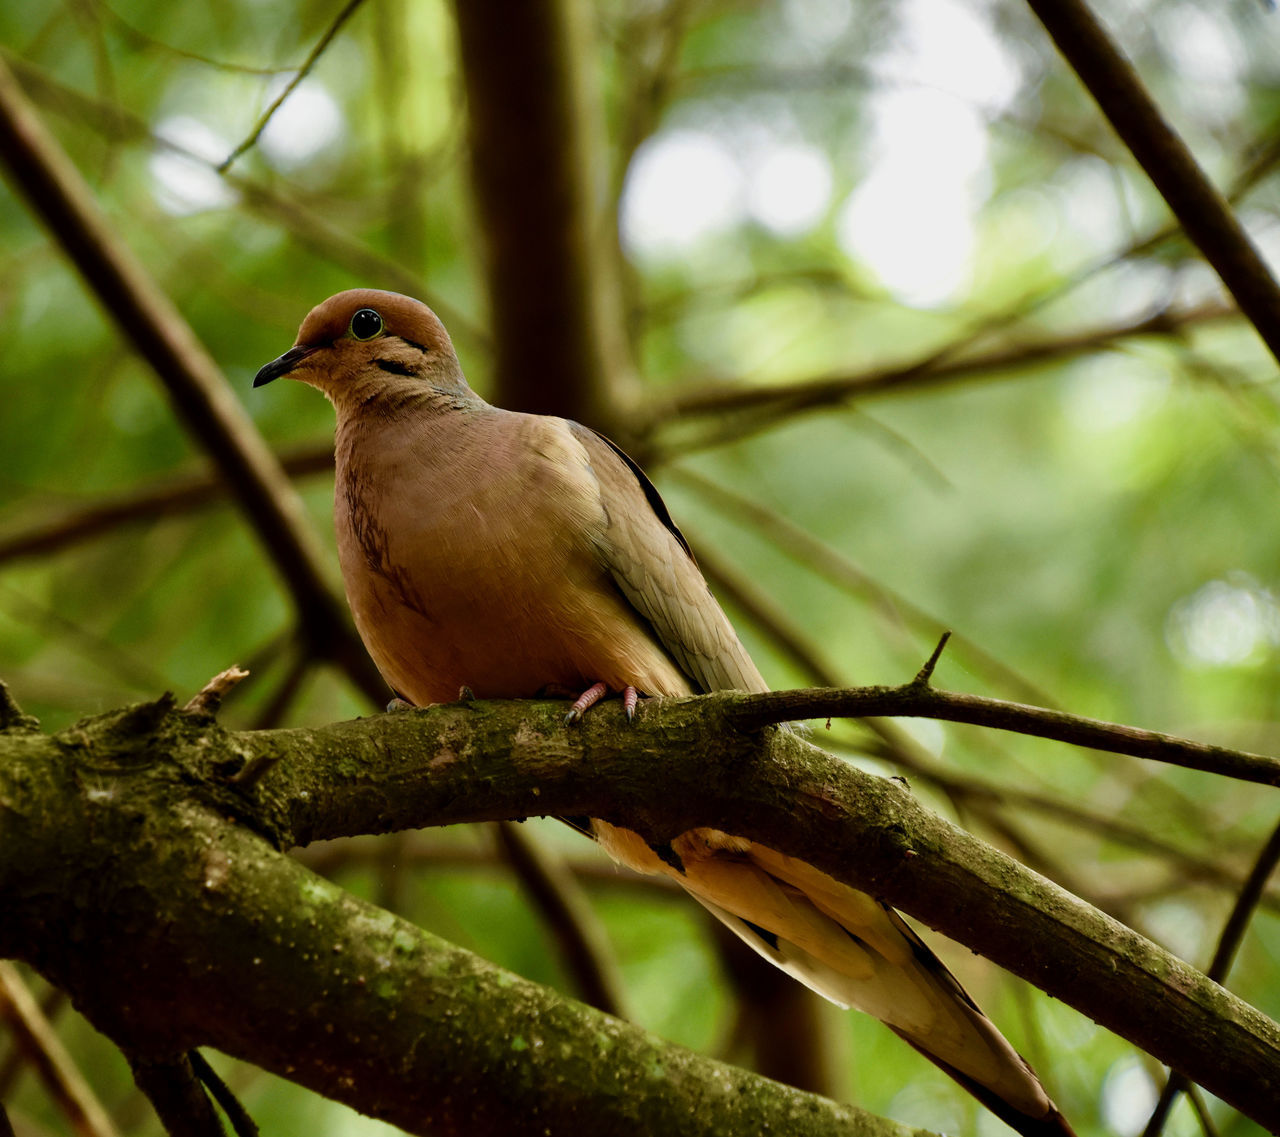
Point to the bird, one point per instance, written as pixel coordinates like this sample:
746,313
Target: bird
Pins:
507,555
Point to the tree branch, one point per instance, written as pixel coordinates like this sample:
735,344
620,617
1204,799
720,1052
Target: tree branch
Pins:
124,837
38,1041
776,789
553,294
178,494
307,226
222,922
1228,942
313,57
945,365
56,192
1201,210
917,700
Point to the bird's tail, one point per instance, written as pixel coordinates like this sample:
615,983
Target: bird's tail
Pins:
856,952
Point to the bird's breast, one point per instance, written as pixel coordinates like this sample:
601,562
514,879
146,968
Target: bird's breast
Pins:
471,562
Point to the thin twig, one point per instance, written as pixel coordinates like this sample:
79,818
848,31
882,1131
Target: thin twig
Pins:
38,1040
13,717
941,366
307,226
210,696
1228,944
321,44
177,1096
176,495
15,1061
1202,211
1201,1107
751,712
143,41
241,1123
925,675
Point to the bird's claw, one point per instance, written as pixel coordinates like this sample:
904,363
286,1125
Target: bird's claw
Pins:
585,702
596,692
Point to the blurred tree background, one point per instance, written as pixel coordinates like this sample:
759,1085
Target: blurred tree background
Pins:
892,317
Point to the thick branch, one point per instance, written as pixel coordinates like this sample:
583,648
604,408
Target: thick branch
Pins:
112,869
483,761
118,834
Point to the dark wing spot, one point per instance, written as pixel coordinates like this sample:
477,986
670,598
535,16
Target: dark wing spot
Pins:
763,933
667,855
930,962
650,492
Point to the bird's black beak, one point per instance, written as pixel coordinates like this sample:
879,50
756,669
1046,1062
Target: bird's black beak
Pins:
282,366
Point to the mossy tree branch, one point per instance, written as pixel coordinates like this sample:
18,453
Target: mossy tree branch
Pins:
151,834
138,876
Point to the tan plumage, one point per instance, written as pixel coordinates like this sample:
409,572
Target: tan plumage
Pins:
511,553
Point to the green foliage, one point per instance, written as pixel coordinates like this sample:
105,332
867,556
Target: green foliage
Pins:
1100,521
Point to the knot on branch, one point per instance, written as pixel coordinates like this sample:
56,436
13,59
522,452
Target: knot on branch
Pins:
120,740
12,717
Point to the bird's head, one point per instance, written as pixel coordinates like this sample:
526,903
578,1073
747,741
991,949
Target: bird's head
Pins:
364,345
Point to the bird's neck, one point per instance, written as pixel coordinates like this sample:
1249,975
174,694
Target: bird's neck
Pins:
397,417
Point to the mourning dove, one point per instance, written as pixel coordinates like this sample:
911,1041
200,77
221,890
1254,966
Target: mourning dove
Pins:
514,553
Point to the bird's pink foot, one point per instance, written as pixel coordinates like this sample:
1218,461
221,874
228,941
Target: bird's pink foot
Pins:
584,702
399,704
593,694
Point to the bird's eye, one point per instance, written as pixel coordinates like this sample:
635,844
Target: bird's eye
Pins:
366,324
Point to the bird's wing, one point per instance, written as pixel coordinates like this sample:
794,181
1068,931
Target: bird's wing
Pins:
851,949
836,940
651,564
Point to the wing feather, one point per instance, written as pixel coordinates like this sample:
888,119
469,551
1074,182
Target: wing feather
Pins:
649,560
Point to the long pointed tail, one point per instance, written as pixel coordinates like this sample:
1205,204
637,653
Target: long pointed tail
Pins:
856,952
